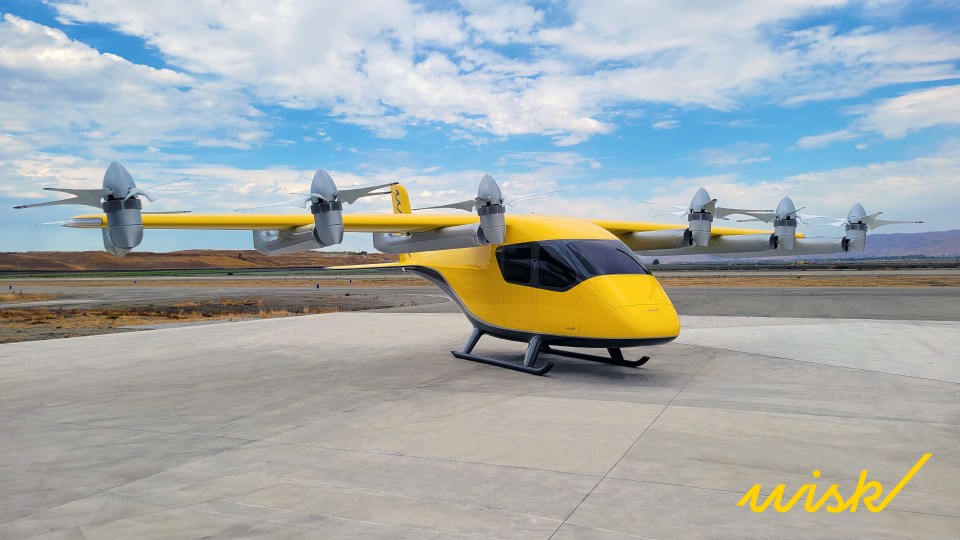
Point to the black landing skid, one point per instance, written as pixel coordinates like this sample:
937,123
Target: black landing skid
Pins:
534,347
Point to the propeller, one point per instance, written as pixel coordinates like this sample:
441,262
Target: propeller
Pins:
700,214
324,189
118,198
858,215
702,202
470,205
785,220
325,201
856,225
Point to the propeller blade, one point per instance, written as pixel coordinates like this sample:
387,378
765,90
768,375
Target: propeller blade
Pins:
680,213
766,217
85,197
350,196
466,206
684,208
874,223
532,196
140,191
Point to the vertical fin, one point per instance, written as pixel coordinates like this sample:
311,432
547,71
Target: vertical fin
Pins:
401,200
401,205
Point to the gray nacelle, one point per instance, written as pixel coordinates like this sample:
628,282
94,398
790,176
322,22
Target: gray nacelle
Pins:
124,220
124,223
784,225
700,219
855,230
493,224
283,242
328,223
327,210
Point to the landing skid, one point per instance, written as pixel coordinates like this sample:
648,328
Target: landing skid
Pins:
534,348
616,357
529,358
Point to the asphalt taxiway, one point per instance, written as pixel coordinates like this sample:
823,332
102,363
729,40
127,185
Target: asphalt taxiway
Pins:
362,425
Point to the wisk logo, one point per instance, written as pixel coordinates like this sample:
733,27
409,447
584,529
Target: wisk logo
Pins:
813,504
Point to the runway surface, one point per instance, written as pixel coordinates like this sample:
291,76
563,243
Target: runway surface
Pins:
362,425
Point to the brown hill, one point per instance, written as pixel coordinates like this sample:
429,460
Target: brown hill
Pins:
60,261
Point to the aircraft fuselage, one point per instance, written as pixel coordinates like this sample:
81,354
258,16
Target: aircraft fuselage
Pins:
566,280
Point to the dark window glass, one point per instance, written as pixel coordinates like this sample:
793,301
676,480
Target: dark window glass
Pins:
553,271
516,263
601,257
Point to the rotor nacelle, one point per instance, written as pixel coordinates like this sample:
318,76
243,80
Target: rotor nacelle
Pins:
855,229
123,209
784,225
492,212
700,219
327,210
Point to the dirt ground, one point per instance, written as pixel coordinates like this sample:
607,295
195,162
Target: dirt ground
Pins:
279,281
36,323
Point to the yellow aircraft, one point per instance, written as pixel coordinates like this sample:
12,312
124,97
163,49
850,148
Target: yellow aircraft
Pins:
543,280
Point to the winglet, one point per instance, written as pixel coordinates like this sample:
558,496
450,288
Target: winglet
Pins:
401,205
401,199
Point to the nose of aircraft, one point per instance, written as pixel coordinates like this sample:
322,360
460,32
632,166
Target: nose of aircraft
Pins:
635,306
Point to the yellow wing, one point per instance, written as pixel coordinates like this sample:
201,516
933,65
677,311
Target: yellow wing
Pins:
369,223
625,227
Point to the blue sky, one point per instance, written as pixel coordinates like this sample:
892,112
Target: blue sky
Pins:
828,101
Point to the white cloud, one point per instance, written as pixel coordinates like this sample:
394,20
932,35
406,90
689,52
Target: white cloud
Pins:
666,124
501,22
388,64
742,153
816,141
59,92
895,118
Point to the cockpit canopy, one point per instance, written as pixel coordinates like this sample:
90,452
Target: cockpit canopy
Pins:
558,265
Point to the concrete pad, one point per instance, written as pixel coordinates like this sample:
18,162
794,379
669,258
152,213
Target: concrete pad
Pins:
362,425
733,450
520,431
915,348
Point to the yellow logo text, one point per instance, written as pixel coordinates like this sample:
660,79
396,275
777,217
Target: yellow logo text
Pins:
868,492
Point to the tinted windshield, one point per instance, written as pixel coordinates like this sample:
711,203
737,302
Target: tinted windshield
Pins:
601,257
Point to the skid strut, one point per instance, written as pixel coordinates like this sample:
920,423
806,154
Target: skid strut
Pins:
529,358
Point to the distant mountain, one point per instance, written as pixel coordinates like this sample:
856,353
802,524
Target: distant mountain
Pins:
931,244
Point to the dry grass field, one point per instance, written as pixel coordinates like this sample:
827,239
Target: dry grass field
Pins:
214,283
44,322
